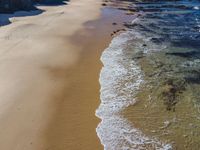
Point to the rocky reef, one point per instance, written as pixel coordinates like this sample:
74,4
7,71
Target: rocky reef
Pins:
10,6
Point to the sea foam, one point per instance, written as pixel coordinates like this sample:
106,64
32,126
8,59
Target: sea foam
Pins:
120,79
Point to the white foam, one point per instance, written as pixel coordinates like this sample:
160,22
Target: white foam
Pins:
120,79
198,23
196,7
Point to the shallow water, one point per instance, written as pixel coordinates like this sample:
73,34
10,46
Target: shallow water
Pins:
150,82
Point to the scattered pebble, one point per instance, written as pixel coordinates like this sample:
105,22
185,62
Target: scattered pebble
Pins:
166,124
153,131
185,135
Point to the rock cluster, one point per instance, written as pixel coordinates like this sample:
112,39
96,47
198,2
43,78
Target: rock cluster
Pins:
9,6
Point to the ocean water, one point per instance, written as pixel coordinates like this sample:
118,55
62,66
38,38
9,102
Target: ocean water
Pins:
150,80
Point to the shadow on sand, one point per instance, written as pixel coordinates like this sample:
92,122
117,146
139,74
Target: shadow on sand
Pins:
5,17
52,2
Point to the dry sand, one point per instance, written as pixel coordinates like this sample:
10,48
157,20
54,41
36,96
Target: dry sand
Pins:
49,79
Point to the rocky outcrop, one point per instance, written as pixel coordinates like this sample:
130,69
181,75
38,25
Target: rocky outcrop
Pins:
50,2
7,6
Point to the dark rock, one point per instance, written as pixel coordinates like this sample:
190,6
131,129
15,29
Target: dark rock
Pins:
157,40
51,2
138,55
8,6
189,54
170,91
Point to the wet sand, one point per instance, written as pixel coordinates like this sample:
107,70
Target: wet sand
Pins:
79,100
49,79
49,71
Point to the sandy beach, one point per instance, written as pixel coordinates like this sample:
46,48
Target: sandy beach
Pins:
94,75
49,79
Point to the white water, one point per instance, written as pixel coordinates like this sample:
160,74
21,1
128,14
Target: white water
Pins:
120,79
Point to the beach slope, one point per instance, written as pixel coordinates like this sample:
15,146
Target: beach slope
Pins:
46,103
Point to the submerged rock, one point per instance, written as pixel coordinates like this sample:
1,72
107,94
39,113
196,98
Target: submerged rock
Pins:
170,91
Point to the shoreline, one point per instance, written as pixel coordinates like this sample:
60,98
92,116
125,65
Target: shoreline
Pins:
159,112
89,69
50,66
